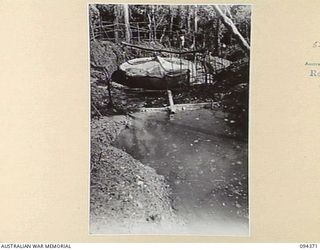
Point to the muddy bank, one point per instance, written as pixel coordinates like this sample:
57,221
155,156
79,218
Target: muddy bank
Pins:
126,196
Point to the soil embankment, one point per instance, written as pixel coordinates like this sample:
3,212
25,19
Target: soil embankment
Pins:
125,195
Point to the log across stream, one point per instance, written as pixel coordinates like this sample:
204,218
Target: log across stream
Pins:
204,163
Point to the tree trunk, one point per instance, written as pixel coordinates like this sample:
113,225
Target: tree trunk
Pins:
171,19
163,35
189,19
95,17
181,22
195,13
228,11
233,29
126,22
196,18
138,27
93,36
217,38
116,24
154,23
150,28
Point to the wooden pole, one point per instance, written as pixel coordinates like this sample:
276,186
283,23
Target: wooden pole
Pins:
138,33
171,104
126,22
96,109
106,73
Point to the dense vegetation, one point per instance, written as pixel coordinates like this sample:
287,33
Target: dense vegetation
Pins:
200,24
215,31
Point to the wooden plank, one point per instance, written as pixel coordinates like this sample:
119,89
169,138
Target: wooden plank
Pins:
183,107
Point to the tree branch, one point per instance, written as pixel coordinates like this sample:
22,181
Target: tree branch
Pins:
162,50
157,25
232,28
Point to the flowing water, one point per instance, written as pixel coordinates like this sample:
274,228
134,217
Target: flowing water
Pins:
204,163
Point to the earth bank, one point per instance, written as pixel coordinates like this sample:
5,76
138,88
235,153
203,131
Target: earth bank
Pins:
124,193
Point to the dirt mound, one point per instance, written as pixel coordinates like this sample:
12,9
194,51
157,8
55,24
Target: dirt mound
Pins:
124,193
104,55
108,55
236,73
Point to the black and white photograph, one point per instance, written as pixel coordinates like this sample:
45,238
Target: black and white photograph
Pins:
169,119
